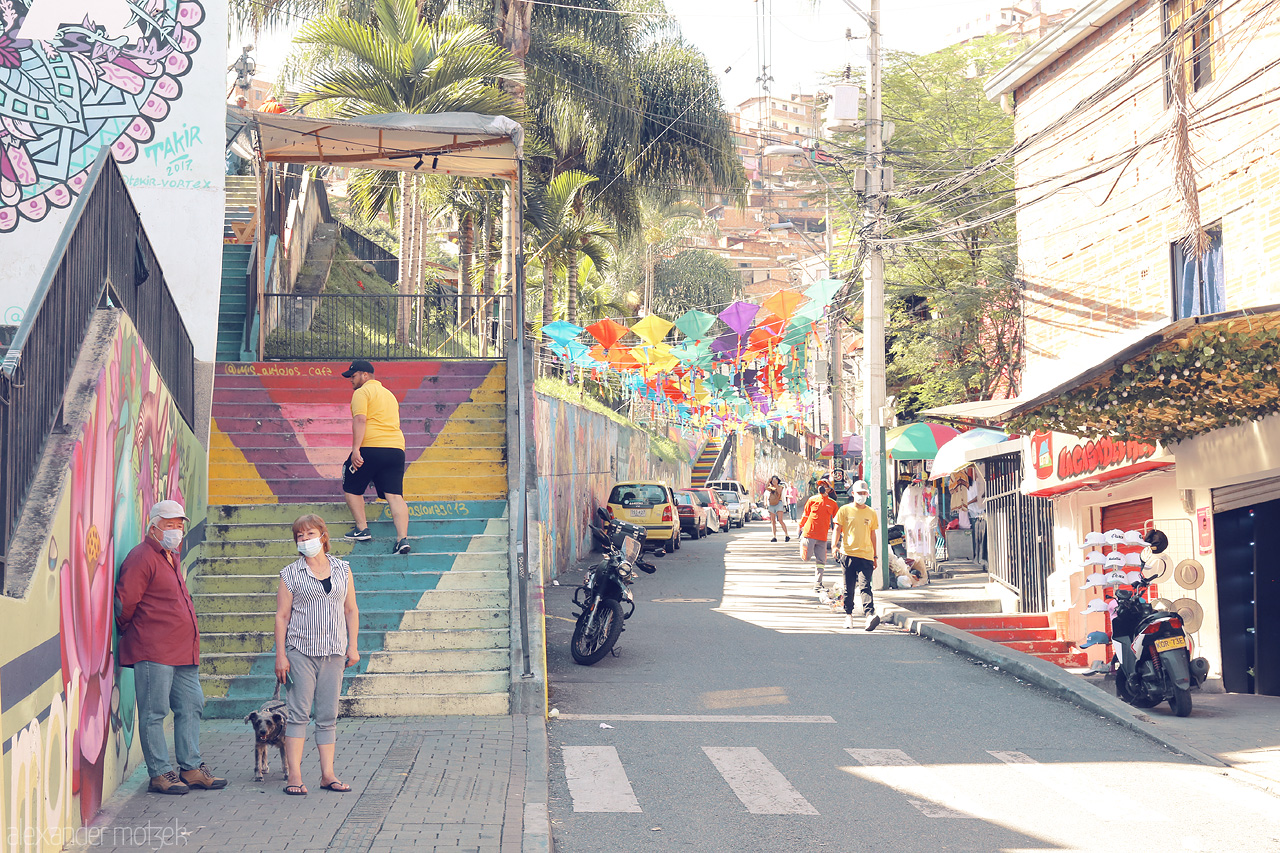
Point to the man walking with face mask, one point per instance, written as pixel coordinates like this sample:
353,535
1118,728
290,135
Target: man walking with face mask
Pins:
160,640
858,528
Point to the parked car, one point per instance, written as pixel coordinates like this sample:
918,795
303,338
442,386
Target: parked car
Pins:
652,505
718,517
737,507
693,515
734,486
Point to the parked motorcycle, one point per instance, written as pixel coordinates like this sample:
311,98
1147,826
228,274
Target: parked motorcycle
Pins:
603,592
1154,653
603,539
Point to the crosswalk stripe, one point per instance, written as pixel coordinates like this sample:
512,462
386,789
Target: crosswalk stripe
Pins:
894,769
1071,784
597,782
758,784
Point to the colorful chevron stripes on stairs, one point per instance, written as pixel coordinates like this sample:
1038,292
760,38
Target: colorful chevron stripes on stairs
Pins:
434,623
281,430
706,461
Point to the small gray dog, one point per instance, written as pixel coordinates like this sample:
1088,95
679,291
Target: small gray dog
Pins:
268,731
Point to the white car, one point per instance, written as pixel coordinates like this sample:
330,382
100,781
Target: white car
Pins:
737,508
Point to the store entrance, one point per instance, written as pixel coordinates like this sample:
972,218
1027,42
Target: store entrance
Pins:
1248,571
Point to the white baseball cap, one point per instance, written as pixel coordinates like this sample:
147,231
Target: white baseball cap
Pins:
1114,537
1095,558
1133,577
1116,577
1133,537
860,487
1095,579
1096,606
1133,559
1094,540
166,509
1114,561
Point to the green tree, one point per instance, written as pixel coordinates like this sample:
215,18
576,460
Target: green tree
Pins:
567,229
951,286
695,278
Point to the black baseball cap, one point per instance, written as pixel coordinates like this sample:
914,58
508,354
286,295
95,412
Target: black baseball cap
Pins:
358,366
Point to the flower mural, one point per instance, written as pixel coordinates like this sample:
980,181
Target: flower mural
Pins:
91,86
88,592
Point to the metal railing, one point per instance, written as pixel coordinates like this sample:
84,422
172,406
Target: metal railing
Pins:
1019,533
384,263
102,259
339,326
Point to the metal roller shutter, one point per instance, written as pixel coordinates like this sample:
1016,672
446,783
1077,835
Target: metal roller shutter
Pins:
1130,515
1246,494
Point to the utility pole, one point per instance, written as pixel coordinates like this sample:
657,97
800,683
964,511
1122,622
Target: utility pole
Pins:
837,354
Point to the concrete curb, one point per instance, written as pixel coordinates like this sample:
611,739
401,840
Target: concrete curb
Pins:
1050,677
537,820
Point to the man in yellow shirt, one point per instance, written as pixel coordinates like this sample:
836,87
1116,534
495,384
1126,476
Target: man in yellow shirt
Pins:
377,454
858,528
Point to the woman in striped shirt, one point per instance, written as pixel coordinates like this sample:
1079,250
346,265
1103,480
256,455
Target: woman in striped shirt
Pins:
316,626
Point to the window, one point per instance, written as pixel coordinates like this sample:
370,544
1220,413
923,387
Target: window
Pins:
1199,285
1194,46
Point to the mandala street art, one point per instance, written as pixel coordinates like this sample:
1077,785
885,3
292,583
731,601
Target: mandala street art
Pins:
93,85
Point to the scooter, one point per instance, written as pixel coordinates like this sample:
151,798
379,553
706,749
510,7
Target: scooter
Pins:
603,591
1153,653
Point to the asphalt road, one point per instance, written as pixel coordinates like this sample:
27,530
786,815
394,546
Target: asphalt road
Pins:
738,715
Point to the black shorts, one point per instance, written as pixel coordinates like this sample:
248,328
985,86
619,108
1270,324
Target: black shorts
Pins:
383,466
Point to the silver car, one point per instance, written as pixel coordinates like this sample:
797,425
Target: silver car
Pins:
737,508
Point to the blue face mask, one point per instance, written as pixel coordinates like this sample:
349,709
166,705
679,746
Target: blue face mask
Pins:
171,540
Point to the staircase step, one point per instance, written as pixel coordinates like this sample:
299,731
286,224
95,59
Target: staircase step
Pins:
1001,635
931,608
365,581
486,471
257,642
315,491
367,684
1079,660
494,454
373,620
998,620
413,663
464,563
330,509
438,599
1040,647
287,551
337,527
396,705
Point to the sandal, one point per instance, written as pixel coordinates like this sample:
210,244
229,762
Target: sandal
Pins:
295,790
335,785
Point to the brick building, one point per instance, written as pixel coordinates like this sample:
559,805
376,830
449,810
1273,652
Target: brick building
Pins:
1108,181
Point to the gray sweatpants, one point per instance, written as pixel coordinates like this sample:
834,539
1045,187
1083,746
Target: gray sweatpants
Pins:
318,680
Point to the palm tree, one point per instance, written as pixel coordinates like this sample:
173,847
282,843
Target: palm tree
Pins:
566,230
401,63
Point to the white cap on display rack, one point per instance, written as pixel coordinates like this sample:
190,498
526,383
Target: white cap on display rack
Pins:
1095,558
1098,605
1094,540
1114,560
1133,577
1117,577
1133,558
1134,537
1095,579
1114,537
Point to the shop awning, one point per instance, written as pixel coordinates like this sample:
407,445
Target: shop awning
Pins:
1189,378
974,411
464,144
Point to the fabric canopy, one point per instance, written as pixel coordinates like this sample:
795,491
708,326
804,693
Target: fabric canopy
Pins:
464,144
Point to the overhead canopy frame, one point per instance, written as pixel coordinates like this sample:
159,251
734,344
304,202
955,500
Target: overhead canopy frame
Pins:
464,144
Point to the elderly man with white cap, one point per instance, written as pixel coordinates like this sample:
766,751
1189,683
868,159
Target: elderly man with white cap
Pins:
159,638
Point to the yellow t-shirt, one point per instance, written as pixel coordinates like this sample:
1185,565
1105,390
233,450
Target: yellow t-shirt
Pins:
382,415
860,527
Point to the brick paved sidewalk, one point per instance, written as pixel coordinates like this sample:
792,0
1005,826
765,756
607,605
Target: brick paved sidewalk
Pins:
427,783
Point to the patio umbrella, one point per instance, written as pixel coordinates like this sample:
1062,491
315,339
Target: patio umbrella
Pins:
852,446
917,441
950,456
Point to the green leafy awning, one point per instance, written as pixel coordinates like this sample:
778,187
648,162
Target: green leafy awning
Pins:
1206,374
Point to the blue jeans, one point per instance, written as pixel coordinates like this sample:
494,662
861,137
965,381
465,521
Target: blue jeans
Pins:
159,688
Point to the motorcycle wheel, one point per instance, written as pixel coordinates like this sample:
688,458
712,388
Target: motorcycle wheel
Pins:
587,650
1129,696
1180,702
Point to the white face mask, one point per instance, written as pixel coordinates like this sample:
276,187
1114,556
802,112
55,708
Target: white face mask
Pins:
171,540
860,500
310,547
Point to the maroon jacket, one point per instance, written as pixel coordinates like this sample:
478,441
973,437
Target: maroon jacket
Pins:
154,610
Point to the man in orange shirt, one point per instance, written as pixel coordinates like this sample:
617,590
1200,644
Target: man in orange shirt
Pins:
815,529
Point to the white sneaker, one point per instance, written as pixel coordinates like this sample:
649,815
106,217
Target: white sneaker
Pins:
848,622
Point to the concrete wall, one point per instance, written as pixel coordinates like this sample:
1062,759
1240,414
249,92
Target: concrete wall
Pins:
68,720
755,460
305,213
1096,255
581,454
161,112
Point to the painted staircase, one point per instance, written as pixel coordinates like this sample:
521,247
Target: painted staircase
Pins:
434,623
231,301
705,463
1029,633
241,202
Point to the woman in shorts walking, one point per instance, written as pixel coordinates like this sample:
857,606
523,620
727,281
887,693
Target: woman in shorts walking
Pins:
773,500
